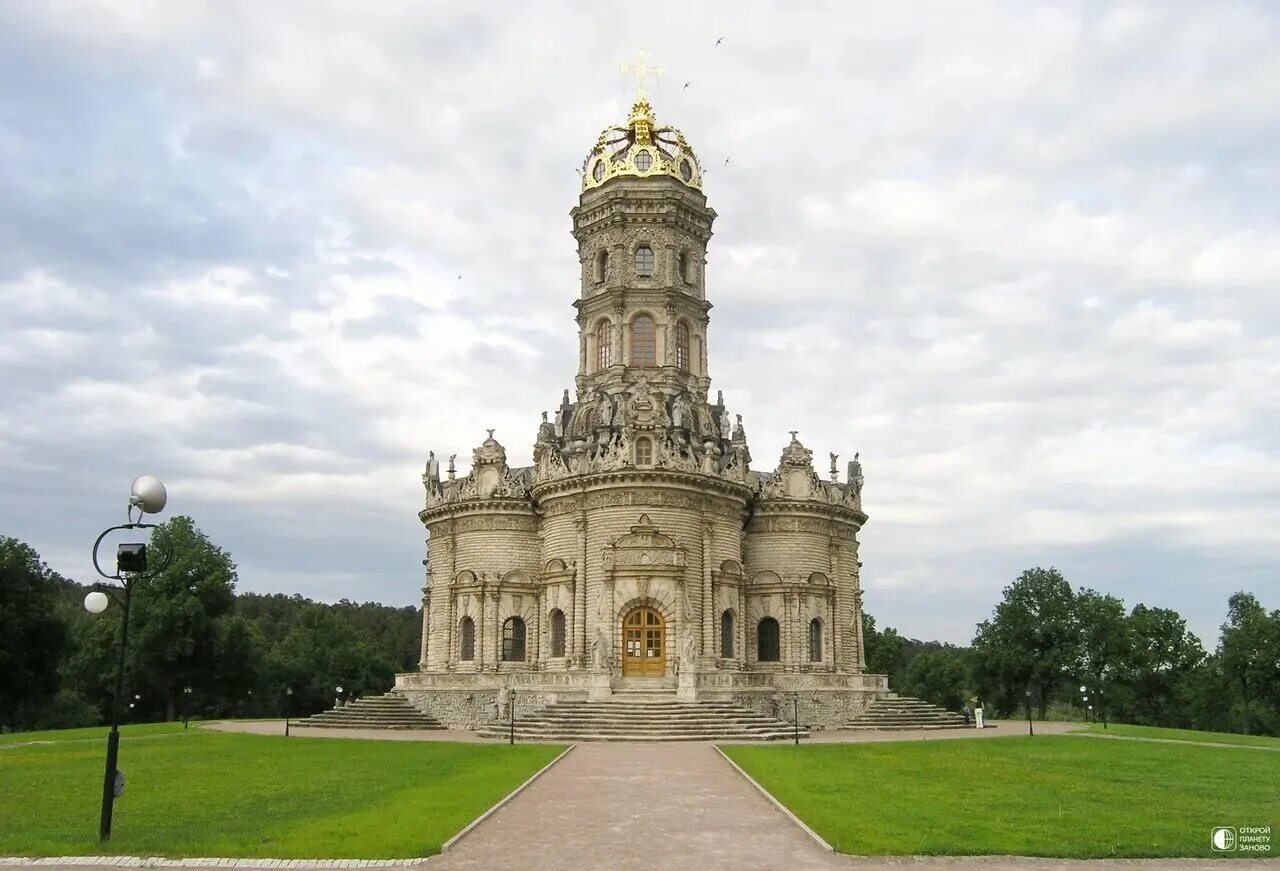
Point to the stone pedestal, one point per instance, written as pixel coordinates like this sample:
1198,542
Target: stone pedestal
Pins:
687,686
598,689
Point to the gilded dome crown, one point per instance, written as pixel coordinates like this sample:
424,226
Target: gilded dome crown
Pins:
641,149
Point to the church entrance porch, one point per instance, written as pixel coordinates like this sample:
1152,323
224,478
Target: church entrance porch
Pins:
643,644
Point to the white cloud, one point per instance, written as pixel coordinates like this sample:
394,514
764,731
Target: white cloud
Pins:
1023,259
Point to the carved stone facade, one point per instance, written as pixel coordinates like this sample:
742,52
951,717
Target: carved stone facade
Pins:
641,546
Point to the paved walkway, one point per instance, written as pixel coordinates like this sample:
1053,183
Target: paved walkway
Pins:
638,806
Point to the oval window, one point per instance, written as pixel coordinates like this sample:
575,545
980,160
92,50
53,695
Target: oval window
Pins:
686,171
597,172
644,160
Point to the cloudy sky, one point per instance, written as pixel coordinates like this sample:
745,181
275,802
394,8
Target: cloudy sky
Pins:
1024,258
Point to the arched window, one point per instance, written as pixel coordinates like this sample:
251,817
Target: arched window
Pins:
513,640
557,633
602,265
644,342
467,640
682,347
726,634
604,346
644,452
644,260
767,640
815,640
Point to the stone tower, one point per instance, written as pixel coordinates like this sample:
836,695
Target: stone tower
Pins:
641,545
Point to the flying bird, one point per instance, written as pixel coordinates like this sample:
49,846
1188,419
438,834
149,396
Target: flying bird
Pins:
726,161
686,85
459,276
720,40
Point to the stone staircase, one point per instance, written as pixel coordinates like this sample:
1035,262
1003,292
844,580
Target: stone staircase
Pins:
904,712
388,711
643,716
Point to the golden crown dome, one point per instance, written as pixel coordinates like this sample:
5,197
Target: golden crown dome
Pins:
641,149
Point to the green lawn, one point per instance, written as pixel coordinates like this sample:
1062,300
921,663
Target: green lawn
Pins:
90,733
203,793
1183,735
1057,796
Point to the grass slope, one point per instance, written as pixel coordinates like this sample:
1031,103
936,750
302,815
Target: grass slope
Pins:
1058,796
1192,735
200,793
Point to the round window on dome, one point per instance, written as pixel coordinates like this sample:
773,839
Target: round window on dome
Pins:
597,171
686,170
644,160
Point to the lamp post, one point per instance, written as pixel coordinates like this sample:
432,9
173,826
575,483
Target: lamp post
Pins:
186,697
1031,730
147,496
288,708
338,701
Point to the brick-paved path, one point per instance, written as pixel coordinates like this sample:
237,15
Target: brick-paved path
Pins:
655,806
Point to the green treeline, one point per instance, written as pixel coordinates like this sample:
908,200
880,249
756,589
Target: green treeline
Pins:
1045,641
238,652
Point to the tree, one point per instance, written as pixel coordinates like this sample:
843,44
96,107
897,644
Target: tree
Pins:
939,677
1249,653
882,649
1162,658
174,629
32,638
1031,642
1105,643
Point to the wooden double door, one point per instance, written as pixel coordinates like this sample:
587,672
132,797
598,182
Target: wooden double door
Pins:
644,644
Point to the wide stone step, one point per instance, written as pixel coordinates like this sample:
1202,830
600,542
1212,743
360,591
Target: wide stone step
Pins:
643,717
904,712
389,711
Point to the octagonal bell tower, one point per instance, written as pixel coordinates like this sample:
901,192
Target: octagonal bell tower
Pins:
642,225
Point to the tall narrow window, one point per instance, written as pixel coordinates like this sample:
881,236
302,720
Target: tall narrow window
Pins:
767,640
467,640
513,640
644,452
602,265
815,640
682,347
644,342
683,266
726,634
604,346
557,633
644,260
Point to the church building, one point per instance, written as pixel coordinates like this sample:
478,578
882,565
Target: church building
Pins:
642,550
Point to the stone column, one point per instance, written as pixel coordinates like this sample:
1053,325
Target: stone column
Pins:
495,645
426,626
708,599
836,583
740,625
581,525
481,629
786,643
622,346
571,616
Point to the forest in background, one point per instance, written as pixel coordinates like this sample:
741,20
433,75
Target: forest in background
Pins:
240,653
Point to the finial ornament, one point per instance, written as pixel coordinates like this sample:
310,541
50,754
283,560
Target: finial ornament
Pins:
794,433
641,69
490,433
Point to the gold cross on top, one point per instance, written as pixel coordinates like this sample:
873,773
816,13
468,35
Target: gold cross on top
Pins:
641,69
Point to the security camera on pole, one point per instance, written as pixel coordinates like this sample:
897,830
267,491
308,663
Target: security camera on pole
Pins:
147,496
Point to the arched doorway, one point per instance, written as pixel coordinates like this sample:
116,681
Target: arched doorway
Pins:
644,644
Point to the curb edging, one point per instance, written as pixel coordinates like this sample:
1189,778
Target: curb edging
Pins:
449,844
818,839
